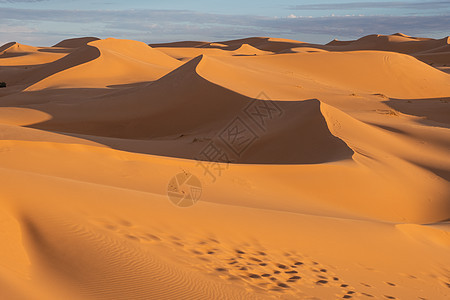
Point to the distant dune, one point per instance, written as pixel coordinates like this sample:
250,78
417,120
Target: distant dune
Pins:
258,168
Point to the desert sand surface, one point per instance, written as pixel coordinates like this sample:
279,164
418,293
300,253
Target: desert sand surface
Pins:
258,168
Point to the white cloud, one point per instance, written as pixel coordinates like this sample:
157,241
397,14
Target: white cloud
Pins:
428,5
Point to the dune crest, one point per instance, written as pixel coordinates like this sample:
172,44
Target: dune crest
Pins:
13,47
112,62
75,42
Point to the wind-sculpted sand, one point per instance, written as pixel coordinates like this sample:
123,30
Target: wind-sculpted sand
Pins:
258,168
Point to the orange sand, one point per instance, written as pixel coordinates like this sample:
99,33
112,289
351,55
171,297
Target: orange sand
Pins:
339,187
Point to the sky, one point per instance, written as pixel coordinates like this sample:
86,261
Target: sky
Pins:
46,22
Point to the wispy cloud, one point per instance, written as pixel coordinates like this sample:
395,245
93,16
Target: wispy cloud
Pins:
354,26
384,4
18,1
169,25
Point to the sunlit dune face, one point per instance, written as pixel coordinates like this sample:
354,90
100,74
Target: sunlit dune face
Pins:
22,116
257,168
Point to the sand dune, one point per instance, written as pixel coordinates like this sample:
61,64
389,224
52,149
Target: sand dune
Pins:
261,43
18,56
324,169
13,49
395,43
401,43
109,62
265,44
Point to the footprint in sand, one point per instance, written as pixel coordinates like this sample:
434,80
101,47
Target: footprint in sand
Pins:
286,273
153,237
367,295
125,223
294,278
111,227
132,237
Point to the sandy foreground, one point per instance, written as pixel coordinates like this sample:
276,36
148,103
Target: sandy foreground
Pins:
259,168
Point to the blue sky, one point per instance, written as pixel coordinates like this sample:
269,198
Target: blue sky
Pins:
45,22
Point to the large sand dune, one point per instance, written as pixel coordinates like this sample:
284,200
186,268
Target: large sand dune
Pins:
315,171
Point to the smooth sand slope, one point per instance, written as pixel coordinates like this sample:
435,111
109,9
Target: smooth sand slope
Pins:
315,171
